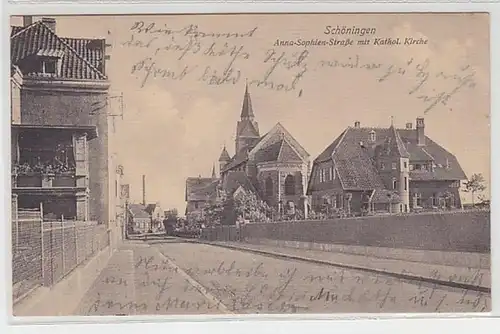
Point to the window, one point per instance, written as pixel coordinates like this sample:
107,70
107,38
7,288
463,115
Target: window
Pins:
269,187
324,175
382,166
418,167
320,172
419,199
412,167
372,136
50,66
330,171
406,183
394,183
405,164
196,205
434,200
289,185
394,166
334,173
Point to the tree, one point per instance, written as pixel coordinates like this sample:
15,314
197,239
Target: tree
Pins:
249,206
474,185
214,213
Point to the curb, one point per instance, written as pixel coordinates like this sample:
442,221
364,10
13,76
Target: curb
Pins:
408,277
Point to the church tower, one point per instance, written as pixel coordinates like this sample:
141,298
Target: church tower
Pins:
247,129
223,160
393,165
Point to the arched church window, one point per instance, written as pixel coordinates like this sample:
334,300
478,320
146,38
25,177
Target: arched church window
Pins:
289,185
269,187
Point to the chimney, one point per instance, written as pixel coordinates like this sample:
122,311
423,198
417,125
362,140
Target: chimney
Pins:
409,126
420,132
50,22
144,190
27,20
357,124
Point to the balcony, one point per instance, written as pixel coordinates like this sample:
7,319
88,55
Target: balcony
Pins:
38,180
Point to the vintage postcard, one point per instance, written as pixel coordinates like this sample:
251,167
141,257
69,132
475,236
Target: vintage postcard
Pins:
250,164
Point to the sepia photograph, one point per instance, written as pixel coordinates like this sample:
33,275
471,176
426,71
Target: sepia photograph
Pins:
230,164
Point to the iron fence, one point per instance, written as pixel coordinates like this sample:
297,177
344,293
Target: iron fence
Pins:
45,252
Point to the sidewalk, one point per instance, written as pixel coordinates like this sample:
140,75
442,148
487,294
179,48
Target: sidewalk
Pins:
462,277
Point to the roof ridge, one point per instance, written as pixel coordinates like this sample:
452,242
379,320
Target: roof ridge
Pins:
60,39
76,52
25,28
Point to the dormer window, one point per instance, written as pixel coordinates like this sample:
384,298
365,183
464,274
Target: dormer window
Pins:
372,136
49,66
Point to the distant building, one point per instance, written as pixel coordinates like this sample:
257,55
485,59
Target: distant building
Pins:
200,192
385,170
60,132
156,213
139,219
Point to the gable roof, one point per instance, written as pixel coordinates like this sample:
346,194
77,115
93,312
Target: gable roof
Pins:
280,151
353,153
239,158
247,128
200,188
81,58
138,211
224,156
236,179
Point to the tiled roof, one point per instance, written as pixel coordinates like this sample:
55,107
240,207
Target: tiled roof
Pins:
238,159
384,196
327,152
138,211
280,151
200,188
354,164
247,128
81,58
354,151
224,156
446,164
235,179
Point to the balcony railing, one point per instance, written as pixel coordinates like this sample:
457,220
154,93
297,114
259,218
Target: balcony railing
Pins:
38,180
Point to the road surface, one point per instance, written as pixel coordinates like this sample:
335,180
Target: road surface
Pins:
175,277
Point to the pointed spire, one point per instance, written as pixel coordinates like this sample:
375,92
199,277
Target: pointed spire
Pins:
246,109
392,121
396,144
214,176
224,156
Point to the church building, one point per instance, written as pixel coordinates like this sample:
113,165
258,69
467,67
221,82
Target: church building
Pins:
275,164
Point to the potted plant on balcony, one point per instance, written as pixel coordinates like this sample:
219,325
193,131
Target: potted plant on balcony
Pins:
64,176
26,175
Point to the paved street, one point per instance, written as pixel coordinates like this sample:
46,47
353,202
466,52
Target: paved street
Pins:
173,277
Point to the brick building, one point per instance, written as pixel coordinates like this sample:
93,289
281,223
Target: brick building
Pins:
273,166
385,170
62,154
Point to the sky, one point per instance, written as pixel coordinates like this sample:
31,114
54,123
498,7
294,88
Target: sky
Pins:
181,111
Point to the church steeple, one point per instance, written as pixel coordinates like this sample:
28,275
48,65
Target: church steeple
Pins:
247,130
214,176
246,109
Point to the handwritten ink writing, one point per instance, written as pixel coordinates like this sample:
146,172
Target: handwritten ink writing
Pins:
149,69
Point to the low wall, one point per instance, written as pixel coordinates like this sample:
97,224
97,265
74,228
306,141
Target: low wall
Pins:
447,231
63,298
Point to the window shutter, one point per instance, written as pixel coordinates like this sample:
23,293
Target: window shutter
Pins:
81,154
